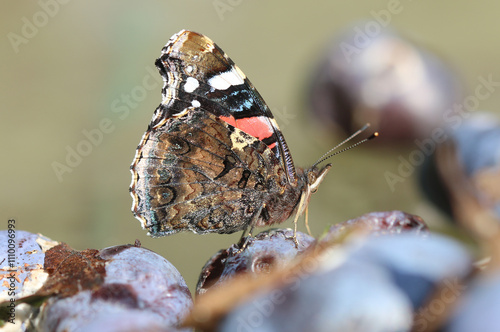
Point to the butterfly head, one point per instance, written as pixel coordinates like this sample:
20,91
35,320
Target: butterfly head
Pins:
314,177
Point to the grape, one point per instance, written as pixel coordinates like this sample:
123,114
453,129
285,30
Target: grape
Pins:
267,250
400,88
27,262
388,222
22,272
417,265
363,284
353,297
476,177
139,285
478,307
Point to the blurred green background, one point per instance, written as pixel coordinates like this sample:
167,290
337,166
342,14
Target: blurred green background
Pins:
66,71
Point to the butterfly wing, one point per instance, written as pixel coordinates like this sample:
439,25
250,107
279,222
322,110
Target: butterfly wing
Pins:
213,158
198,73
198,173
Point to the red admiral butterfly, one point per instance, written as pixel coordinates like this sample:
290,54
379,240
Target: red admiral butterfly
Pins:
213,159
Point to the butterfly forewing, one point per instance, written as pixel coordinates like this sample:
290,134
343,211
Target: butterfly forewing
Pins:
198,73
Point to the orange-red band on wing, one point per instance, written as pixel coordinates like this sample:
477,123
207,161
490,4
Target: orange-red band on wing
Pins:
257,126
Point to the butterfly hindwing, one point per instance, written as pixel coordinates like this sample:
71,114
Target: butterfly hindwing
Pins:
199,173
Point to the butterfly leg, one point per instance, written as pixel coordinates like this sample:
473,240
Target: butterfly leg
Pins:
245,240
301,203
251,225
307,221
295,231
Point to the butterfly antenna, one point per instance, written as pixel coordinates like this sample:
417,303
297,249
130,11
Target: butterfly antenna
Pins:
327,155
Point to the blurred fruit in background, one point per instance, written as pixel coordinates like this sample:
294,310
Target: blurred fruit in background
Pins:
365,280
381,78
478,310
462,176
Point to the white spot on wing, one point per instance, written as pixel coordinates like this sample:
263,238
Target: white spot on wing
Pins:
226,79
191,84
195,103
